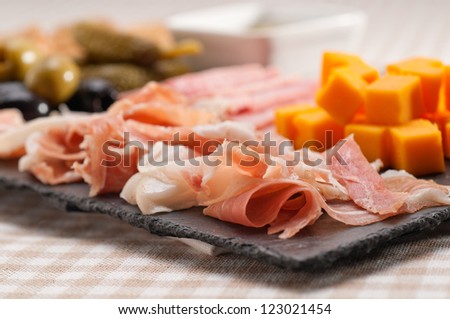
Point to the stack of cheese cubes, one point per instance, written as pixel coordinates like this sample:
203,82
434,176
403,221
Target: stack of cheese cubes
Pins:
402,117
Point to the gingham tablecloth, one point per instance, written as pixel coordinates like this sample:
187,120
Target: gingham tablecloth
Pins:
48,253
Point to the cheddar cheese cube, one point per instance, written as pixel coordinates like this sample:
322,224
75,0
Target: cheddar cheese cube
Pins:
430,72
446,140
440,118
359,118
447,87
417,148
333,60
373,140
284,118
343,95
317,130
394,100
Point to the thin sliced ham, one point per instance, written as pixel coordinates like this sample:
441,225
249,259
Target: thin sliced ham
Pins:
10,119
363,183
51,154
202,177
214,81
247,93
287,199
258,97
167,187
287,205
161,105
108,163
422,193
12,142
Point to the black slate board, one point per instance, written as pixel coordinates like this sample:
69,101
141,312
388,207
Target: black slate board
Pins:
317,246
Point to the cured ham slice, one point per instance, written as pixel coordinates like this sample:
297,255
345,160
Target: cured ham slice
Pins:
108,163
212,82
243,93
164,188
202,177
287,205
157,104
256,97
51,154
203,139
347,212
10,119
287,199
100,153
12,142
422,193
415,193
363,183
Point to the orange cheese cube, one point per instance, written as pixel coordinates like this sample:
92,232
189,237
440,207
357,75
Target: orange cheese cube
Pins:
316,129
333,60
417,148
447,87
373,140
284,117
430,72
446,140
393,100
359,118
440,118
343,95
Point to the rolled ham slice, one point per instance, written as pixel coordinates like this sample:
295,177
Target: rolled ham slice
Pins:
287,205
12,141
51,154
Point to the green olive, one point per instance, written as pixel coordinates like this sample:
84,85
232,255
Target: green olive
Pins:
54,78
5,71
23,55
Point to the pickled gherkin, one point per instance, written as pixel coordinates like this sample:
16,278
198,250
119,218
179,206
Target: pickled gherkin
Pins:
103,44
169,68
6,71
5,66
123,76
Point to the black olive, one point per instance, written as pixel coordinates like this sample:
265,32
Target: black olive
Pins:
93,95
16,95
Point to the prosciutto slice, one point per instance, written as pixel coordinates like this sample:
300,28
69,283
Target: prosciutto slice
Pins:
10,119
12,141
285,198
51,154
157,104
247,93
109,163
286,205
363,183
214,81
422,193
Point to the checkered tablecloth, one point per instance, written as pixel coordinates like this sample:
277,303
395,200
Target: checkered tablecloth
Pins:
45,252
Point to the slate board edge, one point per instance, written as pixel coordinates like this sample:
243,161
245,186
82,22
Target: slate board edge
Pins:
162,227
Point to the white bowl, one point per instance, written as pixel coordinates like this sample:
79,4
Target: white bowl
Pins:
290,38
